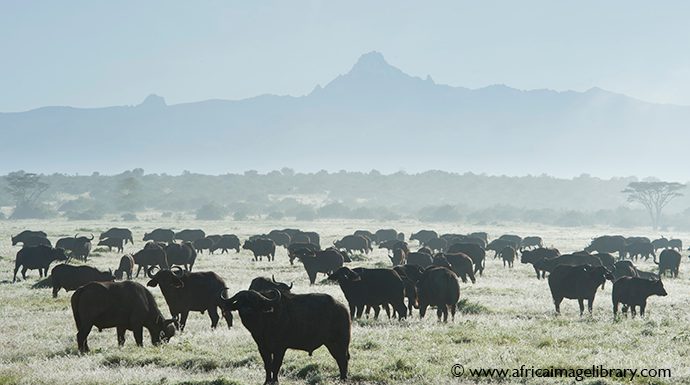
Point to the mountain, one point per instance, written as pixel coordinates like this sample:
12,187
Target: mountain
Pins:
373,117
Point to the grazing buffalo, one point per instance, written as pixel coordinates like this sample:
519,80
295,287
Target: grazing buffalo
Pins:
80,247
549,264
37,258
386,235
514,240
660,243
70,277
622,269
639,249
462,266
508,255
123,305
422,260
536,255
352,243
577,282
116,232
160,235
203,244
188,235
326,262
113,242
423,236
299,246
669,260
372,287
499,244
394,244
154,256
280,321
608,244
181,254
633,291
225,243
675,244
410,274
366,234
126,267
261,247
531,243
473,251
280,238
263,284
185,291
28,236
438,287
437,244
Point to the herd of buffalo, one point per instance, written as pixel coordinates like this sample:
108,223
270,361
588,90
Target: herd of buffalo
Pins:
279,319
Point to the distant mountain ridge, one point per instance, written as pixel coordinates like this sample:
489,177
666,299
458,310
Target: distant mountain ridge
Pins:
373,117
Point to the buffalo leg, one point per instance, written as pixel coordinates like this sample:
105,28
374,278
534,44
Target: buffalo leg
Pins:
624,310
121,335
183,319
277,363
82,336
643,306
590,303
213,314
341,357
557,302
615,309
581,302
352,311
388,310
422,310
56,288
139,335
16,269
453,308
266,356
138,270
360,309
24,269
377,310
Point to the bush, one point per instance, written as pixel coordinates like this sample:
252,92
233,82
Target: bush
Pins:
211,212
86,215
130,217
276,215
34,211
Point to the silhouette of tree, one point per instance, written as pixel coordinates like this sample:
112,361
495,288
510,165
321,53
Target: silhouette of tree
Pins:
654,196
25,188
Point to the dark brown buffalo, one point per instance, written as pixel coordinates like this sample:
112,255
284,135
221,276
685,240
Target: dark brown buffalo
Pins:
267,284
669,260
203,244
499,244
261,247
622,269
399,257
549,264
410,274
79,247
185,291
386,235
608,244
532,242
474,251
438,287
633,291
326,262
436,244
181,254
423,236
577,282
313,238
123,305
660,243
28,236
116,232
126,267
639,249
113,242
37,258
366,234
422,260
298,246
280,238
160,235
462,266
278,322
372,287
189,235
508,255
425,250
351,243
154,256
227,242
70,277
536,255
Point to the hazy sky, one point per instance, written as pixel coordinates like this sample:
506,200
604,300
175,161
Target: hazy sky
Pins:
98,53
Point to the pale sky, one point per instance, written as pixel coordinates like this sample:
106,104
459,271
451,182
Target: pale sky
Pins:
99,53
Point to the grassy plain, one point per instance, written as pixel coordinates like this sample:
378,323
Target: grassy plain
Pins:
507,321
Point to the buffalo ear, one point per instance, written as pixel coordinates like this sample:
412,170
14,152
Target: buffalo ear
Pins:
152,283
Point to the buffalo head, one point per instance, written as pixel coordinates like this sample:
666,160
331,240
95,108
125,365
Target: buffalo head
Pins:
344,274
168,278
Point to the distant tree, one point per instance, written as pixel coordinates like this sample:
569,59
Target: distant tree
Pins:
25,189
128,193
654,196
211,212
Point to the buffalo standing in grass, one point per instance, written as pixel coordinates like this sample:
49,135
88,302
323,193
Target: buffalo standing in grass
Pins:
261,247
280,238
472,250
160,235
181,254
532,242
80,247
154,256
278,322
437,244
225,243
203,244
126,267
636,250
37,258
326,262
461,264
190,235
28,236
577,282
185,291
386,235
70,277
123,305
299,246
423,236
508,255
669,260
608,244
352,243
116,232
438,287
633,291
118,243
535,256
263,284
372,287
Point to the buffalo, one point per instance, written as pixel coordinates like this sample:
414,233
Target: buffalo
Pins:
116,232
299,246
37,258
123,305
118,243
280,238
80,247
29,236
326,262
386,235
423,236
508,255
461,265
185,291
632,291
474,251
531,242
577,282
261,247
225,243
639,249
352,243
150,257
668,260
160,235
181,254
438,287
72,277
189,235
263,284
608,244
126,267
436,244
536,255
422,260
372,287
280,321
203,244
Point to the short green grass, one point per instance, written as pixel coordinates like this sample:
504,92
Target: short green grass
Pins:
505,320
